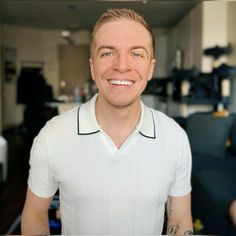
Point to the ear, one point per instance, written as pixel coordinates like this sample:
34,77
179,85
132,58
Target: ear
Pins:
91,67
153,62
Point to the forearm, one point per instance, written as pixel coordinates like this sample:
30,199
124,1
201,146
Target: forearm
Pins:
179,218
232,212
180,228
34,224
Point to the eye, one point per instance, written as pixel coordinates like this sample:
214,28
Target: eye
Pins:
106,54
137,54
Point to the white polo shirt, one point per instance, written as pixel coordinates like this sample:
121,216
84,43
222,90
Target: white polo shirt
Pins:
105,190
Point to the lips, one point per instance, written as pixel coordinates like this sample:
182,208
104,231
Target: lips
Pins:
121,82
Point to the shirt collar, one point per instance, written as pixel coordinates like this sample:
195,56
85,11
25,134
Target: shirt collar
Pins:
86,118
146,125
87,123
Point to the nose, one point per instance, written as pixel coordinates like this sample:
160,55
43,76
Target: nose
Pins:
122,63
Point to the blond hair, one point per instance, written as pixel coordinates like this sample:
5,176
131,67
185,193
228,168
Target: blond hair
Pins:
121,14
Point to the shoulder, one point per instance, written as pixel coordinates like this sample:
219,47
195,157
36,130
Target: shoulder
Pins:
168,127
161,119
61,124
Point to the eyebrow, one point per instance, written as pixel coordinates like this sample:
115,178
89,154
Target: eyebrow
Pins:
113,48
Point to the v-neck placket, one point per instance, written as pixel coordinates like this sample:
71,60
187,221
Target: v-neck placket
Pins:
122,152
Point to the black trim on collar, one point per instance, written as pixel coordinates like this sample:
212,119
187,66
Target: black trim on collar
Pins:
96,131
147,136
78,125
152,137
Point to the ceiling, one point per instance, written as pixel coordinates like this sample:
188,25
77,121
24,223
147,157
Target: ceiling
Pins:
75,15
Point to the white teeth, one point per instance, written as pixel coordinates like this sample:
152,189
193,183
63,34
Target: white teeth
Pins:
121,82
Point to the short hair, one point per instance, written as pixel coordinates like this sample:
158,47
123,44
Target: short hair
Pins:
122,14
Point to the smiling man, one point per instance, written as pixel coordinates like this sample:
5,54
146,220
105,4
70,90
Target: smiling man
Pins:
117,163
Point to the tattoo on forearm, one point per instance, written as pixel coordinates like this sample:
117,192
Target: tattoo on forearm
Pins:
188,232
44,233
172,229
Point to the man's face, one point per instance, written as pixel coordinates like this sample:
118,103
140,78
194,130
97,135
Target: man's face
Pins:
121,61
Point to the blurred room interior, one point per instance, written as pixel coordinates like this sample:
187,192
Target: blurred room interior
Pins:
44,70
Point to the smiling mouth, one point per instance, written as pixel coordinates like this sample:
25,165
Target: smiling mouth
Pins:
121,82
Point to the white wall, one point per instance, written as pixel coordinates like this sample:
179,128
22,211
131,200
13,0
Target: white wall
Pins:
231,33
203,27
214,30
161,69
187,36
33,45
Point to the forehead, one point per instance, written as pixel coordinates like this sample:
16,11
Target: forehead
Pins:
122,32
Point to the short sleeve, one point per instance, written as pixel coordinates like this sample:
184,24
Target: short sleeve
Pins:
182,182
41,180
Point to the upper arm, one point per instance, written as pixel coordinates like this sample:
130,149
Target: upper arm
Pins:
36,204
181,184
179,217
42,180
34,220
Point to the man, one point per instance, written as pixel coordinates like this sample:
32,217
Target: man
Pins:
115,161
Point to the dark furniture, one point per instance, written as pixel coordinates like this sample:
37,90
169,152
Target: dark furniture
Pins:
33,91
213,144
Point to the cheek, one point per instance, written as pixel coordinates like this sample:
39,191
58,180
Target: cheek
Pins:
144,71
101,69
97,68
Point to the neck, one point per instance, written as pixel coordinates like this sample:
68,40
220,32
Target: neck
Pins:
118,122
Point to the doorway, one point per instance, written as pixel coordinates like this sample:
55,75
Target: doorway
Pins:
73,67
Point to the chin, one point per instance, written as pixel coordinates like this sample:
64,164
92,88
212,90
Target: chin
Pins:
122,103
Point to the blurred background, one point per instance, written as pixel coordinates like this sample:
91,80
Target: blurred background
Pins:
44,71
